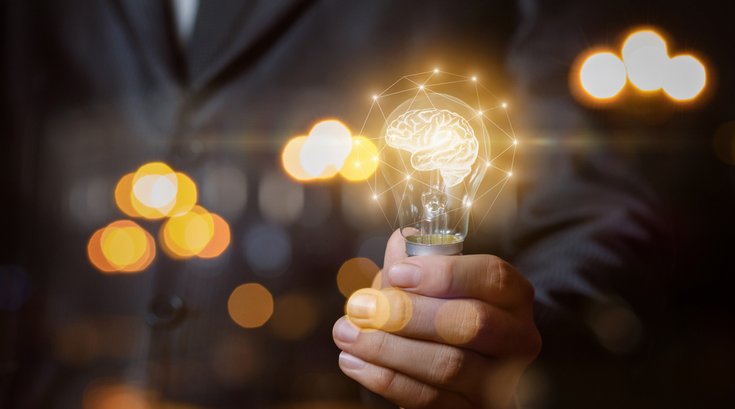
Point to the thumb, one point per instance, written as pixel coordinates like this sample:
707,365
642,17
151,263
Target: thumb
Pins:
395,251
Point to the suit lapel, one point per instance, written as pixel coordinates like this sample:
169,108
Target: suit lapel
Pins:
151,31
228,31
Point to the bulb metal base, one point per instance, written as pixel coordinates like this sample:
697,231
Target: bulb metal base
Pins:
433,245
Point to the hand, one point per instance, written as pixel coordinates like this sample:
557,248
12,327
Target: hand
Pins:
453,331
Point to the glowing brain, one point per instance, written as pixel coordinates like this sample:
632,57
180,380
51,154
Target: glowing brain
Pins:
438,139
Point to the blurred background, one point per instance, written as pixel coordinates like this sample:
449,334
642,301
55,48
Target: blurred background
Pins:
165,244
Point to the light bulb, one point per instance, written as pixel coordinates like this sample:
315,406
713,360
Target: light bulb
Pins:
431,158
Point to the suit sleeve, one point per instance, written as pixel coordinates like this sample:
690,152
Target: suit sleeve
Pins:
589,234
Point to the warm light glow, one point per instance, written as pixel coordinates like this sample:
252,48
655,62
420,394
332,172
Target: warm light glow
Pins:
116,396
155,191
375,97
121,247
474,78
291,159
220,238
602,75
685,77
436,71
504,105
295,316
187,235
325,149
421,87
250,305
356,273
123,195
645,56
358,166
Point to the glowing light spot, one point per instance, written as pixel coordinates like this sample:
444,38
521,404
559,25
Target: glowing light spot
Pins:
116,396
250,305
388,309
375,97
515,141
645,56
220,238
408,177
436,71
510,174
358,166
325,149
291,159
504,105
602,75
421,87
187,235
123,195
295,316
375,197
121,247
474,78
479,112
684,78
488,164
356,273
468,203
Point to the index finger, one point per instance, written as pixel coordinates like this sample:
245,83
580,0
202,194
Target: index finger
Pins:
483,277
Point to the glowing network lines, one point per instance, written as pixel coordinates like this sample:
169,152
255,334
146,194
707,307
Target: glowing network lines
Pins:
494,156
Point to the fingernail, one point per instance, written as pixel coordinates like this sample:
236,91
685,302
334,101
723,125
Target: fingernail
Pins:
350,361
345,332
362,305
404,275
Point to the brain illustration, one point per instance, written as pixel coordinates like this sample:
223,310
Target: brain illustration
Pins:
438,139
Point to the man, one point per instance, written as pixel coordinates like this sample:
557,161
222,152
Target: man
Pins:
97,88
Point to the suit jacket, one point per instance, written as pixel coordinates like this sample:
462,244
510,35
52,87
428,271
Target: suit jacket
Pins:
96,88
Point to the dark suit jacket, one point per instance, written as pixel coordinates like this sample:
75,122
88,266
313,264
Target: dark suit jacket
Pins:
93,89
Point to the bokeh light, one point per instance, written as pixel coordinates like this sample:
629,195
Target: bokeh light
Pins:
354,274
187,235
280,200
250,305
224,189
116,396
326,148
220,240
645,56
121,247
155,191
295,316
291,159
684,78
362,161
602,75
388,309
267,249
237,358
329,149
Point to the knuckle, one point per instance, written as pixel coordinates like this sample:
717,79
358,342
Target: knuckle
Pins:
427,397
498,274
445,268
448,365
386,384
380,344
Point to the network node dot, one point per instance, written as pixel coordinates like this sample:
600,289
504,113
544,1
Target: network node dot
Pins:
436,71
504,105
474,78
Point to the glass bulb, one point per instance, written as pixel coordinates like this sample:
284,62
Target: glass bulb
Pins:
430,160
